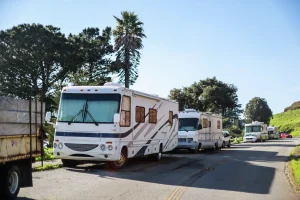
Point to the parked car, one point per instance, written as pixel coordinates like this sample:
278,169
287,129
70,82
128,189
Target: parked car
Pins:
285,135
226,139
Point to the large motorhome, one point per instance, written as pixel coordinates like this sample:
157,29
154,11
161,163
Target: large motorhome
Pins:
256,131
273,132
199,130
111,123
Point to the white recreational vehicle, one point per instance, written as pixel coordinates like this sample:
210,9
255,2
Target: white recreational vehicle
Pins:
111,123
273,132
199,130
256,131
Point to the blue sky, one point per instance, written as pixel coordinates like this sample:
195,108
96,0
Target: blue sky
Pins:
252,44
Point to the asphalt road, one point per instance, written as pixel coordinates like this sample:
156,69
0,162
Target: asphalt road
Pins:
244,171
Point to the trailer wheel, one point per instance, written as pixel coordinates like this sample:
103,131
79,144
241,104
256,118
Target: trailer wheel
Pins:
11,183
116,165
69,163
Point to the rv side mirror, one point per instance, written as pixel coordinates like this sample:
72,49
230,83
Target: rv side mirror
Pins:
48,117
116,118
199,127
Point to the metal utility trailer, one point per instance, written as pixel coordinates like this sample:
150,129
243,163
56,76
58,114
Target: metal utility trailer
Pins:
21,140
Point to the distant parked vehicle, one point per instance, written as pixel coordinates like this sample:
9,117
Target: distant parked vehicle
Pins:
226,139
286,135
256,131
273,132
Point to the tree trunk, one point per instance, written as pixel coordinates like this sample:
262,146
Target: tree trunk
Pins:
127,68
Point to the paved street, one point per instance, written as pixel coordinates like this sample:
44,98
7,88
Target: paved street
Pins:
244,171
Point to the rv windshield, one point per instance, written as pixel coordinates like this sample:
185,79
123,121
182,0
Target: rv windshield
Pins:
250,129
270,132
88,108
188,124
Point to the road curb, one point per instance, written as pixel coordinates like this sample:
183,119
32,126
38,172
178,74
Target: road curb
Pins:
288,171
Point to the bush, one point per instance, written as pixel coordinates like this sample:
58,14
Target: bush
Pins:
48,155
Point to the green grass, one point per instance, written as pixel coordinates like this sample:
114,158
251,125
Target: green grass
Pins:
295,165
236,140
48,155
288,122
46,167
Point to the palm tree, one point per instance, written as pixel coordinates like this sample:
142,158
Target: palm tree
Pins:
128,41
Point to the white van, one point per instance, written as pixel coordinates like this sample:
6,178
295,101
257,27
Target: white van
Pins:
199,130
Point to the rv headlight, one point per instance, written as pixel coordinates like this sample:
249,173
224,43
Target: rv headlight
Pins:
55,145
102,147
110,147
60,145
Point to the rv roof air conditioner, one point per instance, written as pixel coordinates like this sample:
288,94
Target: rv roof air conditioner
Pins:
190,110
113,84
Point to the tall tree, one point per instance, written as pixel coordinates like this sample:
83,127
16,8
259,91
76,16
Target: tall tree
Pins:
128,35
258,110
209,95
33,58
95,50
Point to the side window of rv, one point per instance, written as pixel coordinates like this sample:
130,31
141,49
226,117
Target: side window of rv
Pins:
125,112
152,116
219,124
204,123
209,123
171,117
140,114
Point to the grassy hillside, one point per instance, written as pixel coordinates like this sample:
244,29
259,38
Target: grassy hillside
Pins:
288,121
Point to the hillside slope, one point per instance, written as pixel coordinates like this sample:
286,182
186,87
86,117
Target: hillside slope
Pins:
288,121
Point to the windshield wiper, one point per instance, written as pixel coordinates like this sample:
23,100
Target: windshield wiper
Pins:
183,129
87,112
80,111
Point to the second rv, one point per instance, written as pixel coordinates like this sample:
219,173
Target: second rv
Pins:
199,130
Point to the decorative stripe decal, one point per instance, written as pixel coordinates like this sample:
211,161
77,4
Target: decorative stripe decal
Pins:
142,150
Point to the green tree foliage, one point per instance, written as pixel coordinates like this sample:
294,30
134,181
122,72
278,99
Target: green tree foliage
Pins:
209,95
33,58
258,110
94,51
128,35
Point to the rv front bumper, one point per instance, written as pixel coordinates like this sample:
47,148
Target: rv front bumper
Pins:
92,155
187,145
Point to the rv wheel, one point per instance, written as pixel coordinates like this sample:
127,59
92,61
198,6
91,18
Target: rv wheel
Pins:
157,156
119,163
11,183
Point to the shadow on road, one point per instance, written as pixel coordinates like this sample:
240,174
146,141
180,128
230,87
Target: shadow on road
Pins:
235,173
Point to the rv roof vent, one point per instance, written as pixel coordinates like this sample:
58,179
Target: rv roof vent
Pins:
113,84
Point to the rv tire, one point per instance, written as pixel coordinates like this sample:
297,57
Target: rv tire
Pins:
223,144
157,156
116,165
